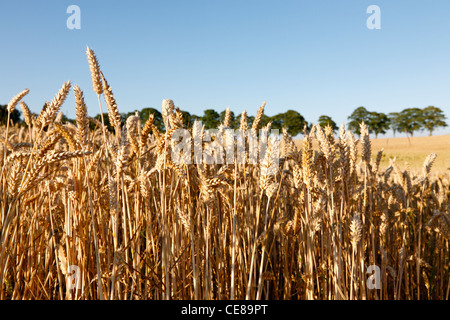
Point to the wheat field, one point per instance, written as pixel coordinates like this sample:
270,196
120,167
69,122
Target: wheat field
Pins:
410,152
131,223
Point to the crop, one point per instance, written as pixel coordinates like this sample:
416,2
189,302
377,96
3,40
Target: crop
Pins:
139,225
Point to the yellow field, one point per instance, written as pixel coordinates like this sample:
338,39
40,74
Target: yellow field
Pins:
412,152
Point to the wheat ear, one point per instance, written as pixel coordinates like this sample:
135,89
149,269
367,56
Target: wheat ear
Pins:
82,117
258,118
95,71
50,112
227,119
26,113
15,100
113,112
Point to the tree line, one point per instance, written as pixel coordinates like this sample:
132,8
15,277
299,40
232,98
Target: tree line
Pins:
407,121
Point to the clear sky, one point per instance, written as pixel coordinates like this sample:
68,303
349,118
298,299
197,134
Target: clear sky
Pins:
315,57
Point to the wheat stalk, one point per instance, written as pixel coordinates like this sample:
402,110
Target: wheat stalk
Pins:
305,224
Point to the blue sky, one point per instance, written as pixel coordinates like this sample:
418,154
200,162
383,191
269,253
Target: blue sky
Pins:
316,57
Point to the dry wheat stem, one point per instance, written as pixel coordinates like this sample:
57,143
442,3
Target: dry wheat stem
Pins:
302,222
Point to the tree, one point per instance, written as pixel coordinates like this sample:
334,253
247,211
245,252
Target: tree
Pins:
211,119
394,121
410,120
433,118
67,120
125,116
277,122
99,118
359,115
327,121
15,115
250,120
188,119
157,117
378,123
293,121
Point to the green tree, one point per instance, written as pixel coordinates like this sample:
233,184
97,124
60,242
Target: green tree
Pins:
250,120
433,118
188,119
211,119
99,118
129,114
15,115
378,123
66,120
359,115
325,121
293,121
276,122
410,120
394,121
157,117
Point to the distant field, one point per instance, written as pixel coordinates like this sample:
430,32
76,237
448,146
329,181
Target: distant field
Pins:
414,151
